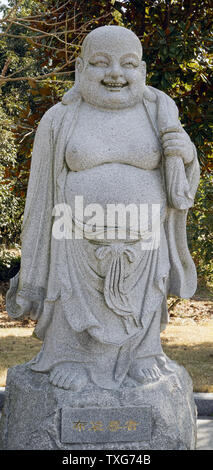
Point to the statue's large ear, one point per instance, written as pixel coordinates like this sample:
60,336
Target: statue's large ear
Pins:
74,93
79,64
147,93
143,69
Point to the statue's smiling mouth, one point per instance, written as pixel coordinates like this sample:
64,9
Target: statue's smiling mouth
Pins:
114,86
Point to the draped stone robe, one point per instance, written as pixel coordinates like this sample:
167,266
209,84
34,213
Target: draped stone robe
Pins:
50,270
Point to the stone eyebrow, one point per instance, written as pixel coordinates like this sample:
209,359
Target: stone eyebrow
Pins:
130,55
96,55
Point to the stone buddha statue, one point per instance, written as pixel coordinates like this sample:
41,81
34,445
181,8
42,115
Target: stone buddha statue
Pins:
100,301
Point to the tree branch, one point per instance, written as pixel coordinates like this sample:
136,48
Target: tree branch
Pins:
177,301
35,79
6,65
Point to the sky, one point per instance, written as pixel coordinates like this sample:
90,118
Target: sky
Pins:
3,2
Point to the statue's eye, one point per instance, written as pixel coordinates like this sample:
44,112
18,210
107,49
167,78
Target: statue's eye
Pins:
129,65
99,63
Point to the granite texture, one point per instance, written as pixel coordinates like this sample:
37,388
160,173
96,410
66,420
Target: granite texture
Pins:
101,301
204,403
32,414
2,397
111,140
106,424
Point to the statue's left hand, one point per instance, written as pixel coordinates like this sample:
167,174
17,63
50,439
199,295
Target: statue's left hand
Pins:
176,143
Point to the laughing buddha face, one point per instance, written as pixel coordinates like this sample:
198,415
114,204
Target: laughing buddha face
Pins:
110,71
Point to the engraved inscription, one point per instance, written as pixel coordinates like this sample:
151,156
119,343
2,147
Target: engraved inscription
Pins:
88,425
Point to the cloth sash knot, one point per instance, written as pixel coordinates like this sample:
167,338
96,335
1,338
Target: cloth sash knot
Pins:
116,294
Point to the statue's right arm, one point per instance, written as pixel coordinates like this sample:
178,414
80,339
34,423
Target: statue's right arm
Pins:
19,306
28,287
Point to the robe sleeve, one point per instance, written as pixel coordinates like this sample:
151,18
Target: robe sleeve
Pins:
181,182
28,287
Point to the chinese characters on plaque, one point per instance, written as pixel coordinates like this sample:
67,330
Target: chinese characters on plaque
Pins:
106,424
113,426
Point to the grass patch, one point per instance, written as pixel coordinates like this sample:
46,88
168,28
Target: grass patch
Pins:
188,338
191,345
16,347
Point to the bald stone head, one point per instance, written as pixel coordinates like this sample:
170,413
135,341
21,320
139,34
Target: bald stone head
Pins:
110,69
111,35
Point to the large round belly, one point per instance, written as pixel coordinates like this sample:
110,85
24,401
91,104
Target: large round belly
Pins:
114,183
116,190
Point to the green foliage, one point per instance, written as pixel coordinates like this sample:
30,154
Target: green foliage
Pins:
9,265
200,229
7,144
12,209
176,38
43,51
11,204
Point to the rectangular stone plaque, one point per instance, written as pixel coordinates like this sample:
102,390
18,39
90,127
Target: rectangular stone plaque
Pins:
93,425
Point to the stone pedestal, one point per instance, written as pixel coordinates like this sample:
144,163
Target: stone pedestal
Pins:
159,415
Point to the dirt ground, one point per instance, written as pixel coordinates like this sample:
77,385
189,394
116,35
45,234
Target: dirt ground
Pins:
188,339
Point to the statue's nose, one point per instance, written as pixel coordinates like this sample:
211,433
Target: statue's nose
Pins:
115,71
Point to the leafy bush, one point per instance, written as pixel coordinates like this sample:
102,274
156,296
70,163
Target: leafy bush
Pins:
11,203
9,265
200,229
